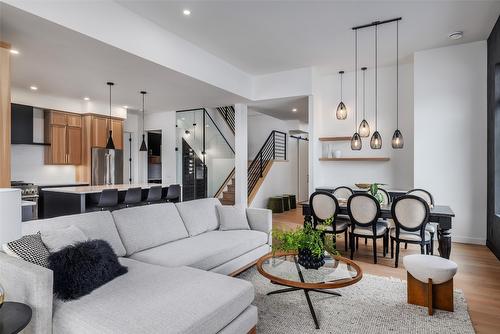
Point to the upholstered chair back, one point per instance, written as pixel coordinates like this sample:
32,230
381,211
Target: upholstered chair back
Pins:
410,212
424,194
323,206
342,192
364,209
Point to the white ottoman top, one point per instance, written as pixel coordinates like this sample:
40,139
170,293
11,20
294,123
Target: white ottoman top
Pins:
423,267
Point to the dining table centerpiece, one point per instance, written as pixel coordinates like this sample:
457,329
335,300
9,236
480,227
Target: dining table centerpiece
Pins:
374,191
307,241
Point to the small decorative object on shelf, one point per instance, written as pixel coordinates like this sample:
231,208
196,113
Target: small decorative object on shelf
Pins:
307,241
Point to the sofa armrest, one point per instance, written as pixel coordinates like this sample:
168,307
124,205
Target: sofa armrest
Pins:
260,220
31,284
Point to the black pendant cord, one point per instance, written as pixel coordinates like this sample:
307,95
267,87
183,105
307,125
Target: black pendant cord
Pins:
355,81
376,78
143,93
397,75
341,77
364,72
110,84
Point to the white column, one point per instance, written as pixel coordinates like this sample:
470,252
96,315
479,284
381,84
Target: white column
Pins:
10,214
241,155
313,158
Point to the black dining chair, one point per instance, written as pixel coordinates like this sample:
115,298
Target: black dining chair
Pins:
133,196
364,211
154,194
325,206
173,193
411,215
430,227
108,199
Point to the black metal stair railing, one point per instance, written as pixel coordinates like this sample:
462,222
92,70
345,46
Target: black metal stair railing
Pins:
273,149
228,114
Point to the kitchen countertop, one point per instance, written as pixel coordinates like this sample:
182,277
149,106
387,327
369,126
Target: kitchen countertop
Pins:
67,184
81,190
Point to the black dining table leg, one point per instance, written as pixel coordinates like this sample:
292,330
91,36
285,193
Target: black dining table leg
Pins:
444,238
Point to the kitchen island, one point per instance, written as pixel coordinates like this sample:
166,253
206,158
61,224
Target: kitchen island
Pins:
62,201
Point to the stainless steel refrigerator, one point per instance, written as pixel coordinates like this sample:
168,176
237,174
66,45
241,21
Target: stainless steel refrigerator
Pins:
107,166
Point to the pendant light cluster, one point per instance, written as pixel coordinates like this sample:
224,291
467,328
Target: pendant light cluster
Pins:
363,131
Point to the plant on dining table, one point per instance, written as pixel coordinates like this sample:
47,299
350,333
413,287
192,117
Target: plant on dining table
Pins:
374,191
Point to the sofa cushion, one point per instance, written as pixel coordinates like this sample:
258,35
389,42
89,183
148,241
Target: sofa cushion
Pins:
199,215
155,299
57,239
204,251
143,227
232,218
95,225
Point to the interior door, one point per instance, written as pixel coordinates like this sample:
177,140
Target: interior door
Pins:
74,145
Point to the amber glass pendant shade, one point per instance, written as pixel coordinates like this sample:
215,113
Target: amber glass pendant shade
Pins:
397,140
356,142
364,129
341,111
376,141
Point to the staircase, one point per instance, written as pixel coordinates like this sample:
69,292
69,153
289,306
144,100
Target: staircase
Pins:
228,114
274,148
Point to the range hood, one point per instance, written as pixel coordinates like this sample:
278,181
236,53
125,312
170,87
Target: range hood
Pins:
22,125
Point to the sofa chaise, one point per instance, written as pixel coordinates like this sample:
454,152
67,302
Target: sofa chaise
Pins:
179,273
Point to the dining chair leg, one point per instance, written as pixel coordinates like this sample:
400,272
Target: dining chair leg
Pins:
375,250
406,245
422,249
432,243
384,245
357,243
366,241
397,253
345,239
392,248
351,243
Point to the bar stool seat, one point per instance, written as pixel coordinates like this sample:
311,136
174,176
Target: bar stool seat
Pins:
108,199
430,281
154,194
133,196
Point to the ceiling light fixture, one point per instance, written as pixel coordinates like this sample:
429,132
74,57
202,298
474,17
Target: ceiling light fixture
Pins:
14,51
86,98
126,107
397,137
456,35
341,108
376,140
356,142
364,127
110,145
143,144
186,12
294,110
33,87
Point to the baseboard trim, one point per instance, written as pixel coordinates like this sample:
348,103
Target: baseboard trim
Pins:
468,240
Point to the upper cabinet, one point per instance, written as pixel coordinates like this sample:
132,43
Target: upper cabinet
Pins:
100,127
64,133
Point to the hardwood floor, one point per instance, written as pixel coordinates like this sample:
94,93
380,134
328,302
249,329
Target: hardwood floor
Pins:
478,271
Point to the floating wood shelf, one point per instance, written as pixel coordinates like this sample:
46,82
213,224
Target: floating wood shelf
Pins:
356,159
334,138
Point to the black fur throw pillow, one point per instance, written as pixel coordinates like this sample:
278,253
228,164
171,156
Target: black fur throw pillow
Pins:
81,268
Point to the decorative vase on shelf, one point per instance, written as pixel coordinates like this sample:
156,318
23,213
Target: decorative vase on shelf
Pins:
309,261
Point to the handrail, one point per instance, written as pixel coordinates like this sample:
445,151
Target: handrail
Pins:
208,114
226,181
228,113
273,148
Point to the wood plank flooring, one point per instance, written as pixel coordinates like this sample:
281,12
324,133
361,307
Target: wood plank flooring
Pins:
478,271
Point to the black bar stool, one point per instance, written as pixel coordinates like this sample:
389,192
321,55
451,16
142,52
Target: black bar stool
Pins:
133,196
154,194
108,199
173,193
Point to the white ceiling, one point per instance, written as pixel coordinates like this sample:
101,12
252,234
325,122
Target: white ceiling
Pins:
270,36
283,108
61,62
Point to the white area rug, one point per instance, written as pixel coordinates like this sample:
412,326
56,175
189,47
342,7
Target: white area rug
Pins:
373,305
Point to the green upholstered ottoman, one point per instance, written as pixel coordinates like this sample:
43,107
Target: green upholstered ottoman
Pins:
292,200
286,202
275,204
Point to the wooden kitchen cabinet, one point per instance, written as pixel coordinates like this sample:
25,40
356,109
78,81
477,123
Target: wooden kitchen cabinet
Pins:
100,132
63,132
117,128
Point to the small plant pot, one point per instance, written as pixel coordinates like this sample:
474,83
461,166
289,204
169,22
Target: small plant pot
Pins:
309,261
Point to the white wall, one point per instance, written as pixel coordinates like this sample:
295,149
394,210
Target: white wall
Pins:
398,172
450,133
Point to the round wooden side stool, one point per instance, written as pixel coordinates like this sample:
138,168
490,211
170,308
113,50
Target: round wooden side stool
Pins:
430,281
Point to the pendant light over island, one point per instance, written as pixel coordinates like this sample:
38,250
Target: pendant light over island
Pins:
110,145
143,144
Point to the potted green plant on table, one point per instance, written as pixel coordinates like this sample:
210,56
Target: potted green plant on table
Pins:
373,190
307,241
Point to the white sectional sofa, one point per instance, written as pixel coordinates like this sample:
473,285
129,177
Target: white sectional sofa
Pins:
177,282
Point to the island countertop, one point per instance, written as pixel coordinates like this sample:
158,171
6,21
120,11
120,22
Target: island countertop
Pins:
82,190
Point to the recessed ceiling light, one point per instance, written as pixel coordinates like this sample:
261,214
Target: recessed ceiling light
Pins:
126,107
186,12
33,87
456,35
294,110
14,51
86,98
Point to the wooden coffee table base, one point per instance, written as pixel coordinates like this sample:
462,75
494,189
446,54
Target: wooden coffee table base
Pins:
306,292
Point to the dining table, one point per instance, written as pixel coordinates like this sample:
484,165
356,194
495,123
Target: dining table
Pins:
442,215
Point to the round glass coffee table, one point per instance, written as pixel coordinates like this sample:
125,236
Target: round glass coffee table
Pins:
284,269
